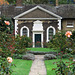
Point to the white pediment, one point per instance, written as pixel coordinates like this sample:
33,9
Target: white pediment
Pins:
37,7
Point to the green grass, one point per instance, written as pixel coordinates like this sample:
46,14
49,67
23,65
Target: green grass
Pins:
49,65
42,49
22,67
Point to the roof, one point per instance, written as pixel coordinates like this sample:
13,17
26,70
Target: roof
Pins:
3,2
38,7
64,11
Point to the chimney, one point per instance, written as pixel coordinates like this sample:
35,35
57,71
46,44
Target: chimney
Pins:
56,2
18,2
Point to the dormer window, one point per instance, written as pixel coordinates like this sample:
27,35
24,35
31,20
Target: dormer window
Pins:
70,23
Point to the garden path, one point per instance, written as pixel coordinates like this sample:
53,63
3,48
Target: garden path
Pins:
38,66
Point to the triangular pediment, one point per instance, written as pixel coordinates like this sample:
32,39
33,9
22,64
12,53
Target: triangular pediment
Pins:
37,12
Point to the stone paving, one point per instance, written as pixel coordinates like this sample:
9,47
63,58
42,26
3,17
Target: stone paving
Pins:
38,67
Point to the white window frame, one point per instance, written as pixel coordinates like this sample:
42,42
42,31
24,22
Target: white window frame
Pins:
21,34
69,23
48,32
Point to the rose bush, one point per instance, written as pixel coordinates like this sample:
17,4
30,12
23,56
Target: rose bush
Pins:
5,66
6,25
62,42
62,68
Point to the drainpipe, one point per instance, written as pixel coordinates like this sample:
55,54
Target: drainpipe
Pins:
56,2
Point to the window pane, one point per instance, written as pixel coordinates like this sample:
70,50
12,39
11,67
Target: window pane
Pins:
69,23
24,31
50,33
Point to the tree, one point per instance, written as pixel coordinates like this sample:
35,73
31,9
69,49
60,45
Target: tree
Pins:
11,1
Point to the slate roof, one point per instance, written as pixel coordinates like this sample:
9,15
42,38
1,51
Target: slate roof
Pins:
65,11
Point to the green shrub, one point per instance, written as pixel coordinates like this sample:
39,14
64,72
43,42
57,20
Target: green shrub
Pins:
6,27
22,42
17,56
62,67
6,44
61,42
5,67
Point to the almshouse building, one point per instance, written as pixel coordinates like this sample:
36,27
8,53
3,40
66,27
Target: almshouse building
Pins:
40,22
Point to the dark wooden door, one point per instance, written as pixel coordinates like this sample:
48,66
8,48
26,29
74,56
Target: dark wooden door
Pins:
37,40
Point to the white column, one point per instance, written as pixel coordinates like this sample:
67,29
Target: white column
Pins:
42,39
33,40
59,24
16,24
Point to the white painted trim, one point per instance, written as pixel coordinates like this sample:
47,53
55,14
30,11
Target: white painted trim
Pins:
69,26
16,27
0,12
22,30
48,33
59,24
40,32
37,29
37,26
26,12
37,18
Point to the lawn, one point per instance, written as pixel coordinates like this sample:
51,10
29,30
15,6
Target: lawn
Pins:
42,49
49,65
22,67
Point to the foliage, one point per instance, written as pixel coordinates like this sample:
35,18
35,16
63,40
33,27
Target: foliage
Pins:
64,55
6,44
59,41
43,1
5,27
40,1
17,56
9,45
23,42
45,45
11,1
62,43
51,45
28,2
20,46
50,66
38,44
63,69
5,67
73,35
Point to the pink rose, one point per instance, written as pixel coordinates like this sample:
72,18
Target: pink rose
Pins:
74,60
68,33
9,59
7,22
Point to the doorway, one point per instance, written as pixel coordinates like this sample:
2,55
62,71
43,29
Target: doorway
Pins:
37,40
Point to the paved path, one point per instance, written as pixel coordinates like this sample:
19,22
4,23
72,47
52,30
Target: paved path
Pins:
38,67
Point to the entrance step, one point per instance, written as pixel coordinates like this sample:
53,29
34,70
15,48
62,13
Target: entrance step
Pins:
41,53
